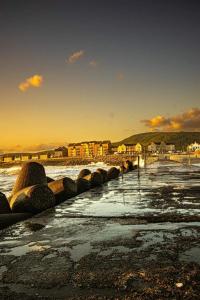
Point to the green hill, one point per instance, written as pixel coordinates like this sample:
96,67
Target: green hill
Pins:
180,139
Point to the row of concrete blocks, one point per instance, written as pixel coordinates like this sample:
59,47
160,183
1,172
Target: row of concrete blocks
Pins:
34,192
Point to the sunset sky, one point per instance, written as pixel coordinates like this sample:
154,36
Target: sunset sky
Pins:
98,69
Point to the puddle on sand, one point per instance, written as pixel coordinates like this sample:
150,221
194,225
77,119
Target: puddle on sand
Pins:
191,255
24,249
2,270
78,251
119,249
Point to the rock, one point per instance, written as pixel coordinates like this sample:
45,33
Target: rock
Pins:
113,173
32,199
63,189
103,173
49,179
83,185
95,179
12,218
32,173
83,173
4,204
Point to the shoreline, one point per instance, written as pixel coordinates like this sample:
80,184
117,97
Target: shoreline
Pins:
114,160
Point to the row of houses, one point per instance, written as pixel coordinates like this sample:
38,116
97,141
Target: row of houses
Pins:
153,147
95,149
138,148
43,155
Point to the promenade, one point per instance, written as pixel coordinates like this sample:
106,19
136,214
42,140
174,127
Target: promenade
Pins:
136,237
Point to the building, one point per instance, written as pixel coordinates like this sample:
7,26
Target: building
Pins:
193,147
8,158
60,152
126,149
153,147
35,156
44,156
17,157
138,148
161,147
170,147
103,148
74,150
129,148
89,149
26,157
114,149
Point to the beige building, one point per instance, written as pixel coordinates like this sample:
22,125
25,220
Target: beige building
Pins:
8,159
129,148
35,156
43,156
25,157
193,147
161,147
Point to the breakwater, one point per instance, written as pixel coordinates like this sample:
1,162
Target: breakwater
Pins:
34,192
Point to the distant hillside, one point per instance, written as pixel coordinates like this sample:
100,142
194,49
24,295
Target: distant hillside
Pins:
180,139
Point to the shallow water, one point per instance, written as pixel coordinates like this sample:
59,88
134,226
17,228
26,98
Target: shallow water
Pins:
162,188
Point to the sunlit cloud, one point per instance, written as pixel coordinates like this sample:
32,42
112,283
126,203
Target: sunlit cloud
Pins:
188,121
34,81
120,76
93,63
74,57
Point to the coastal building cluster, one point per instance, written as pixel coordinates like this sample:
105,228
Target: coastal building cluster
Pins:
194,147
93,149
89,149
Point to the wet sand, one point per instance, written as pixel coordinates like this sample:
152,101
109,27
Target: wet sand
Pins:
134,238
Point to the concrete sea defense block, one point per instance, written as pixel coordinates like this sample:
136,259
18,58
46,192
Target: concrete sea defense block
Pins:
83,173
83,185
63,189
49,179
31,173
113,173
4,205
95,179
103,173
32,199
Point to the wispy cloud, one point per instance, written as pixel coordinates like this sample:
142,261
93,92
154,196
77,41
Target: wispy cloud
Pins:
93,63
34,81
75,56
120,76
188,121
